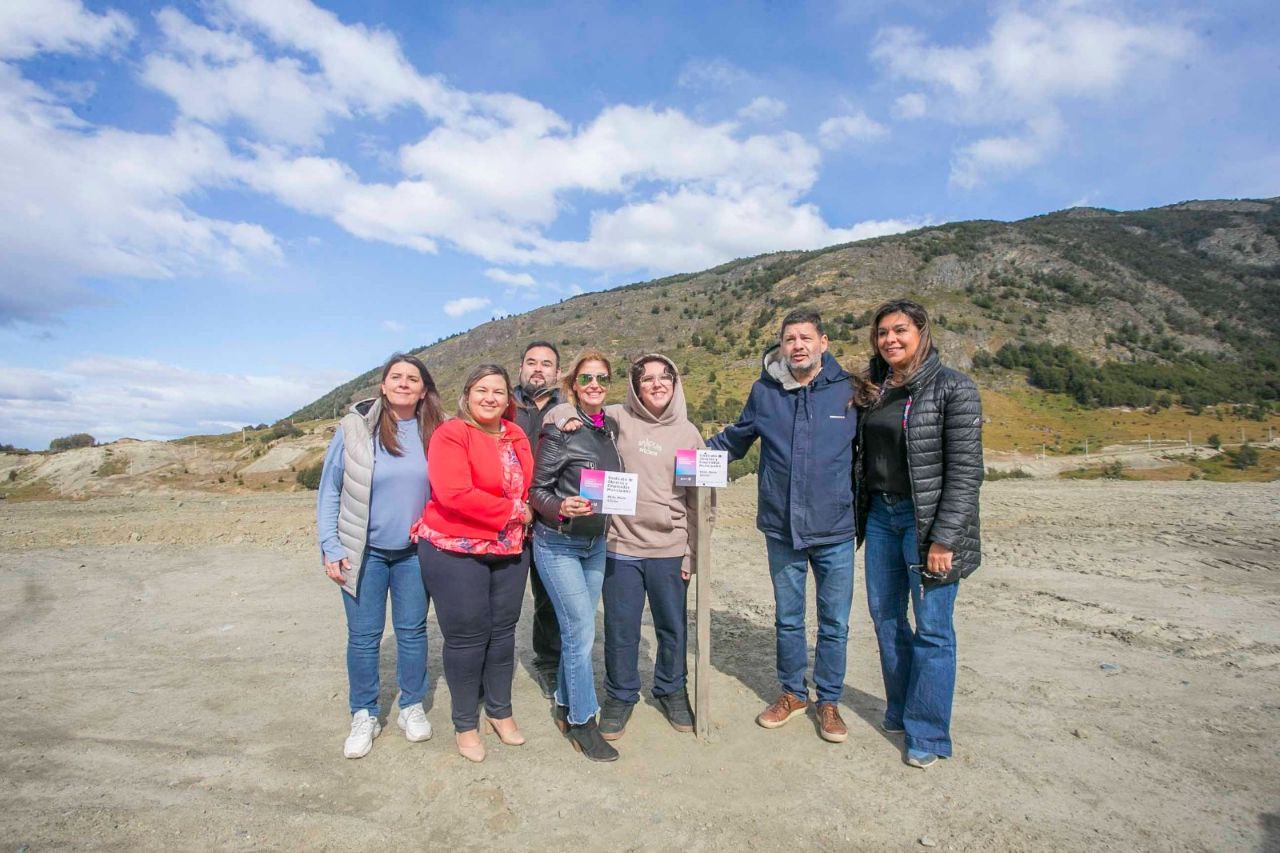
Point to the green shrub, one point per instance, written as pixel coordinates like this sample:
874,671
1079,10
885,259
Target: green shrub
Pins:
70,442
1013,474
1245,457
1113,470
309,477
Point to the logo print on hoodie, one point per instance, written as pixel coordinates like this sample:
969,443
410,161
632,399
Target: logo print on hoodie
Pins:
649,447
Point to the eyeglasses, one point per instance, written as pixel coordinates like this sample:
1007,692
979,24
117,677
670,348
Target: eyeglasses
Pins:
585,379
664,378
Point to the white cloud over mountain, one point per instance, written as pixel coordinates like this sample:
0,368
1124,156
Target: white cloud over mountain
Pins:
1033,58
260,87
112,397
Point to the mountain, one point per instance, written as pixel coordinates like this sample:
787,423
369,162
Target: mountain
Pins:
1172,306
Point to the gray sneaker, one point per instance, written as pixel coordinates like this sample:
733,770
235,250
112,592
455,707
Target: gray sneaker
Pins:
675,707
613,718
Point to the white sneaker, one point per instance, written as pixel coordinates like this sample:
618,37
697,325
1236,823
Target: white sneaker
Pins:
364,729
414,723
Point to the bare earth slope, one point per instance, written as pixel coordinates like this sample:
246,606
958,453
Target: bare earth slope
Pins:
173,668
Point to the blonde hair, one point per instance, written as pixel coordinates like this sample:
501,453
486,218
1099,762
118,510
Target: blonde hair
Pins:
569,382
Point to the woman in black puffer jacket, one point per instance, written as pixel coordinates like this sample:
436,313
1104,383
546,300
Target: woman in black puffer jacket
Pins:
569,544
918,469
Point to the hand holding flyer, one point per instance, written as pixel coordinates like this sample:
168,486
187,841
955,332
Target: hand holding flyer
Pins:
702,468
610,492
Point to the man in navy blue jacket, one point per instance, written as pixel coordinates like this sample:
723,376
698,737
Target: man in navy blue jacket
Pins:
800,410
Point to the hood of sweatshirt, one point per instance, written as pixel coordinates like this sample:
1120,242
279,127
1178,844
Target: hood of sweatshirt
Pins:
676,410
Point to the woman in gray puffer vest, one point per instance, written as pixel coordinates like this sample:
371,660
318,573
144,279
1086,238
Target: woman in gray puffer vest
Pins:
918,469
372,489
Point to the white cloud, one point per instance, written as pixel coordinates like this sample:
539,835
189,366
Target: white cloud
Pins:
1031,60
111,397
691,229
763,109
909,106
515,279
839,131
394,326
261,87
81,202
717,73
465,304
1003,155
28,27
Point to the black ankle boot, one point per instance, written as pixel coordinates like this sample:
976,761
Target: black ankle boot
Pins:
675,706
613,718
586,739
560,716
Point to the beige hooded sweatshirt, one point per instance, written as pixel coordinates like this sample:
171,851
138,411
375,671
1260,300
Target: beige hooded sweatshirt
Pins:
666,519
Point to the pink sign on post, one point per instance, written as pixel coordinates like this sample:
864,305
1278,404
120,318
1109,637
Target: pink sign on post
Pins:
686,467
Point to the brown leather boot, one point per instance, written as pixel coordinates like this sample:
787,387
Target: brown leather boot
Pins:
783,709
830,726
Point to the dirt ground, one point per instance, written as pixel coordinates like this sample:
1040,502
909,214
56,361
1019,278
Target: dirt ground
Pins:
174,673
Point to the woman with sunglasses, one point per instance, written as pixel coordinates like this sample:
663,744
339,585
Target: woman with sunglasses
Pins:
569,544
649,554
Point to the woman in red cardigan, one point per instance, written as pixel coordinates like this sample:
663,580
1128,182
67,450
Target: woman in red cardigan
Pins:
471,550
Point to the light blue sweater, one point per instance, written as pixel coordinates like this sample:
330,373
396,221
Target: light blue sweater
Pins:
399,492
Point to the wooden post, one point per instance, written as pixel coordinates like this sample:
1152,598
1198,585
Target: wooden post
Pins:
702,590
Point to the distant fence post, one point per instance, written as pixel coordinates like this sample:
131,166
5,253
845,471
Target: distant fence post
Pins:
702,619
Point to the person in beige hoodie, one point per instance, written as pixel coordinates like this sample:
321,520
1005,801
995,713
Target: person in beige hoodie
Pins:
649,553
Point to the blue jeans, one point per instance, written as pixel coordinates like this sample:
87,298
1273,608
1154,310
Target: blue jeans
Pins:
572,570
833,574
625,585
919,666
398,573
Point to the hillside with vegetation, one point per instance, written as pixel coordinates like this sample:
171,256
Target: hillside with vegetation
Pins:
1077,324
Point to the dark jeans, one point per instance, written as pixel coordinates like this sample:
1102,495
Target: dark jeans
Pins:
478,606
918,665
546,629
625,585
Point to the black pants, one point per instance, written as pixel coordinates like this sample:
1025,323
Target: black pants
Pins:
478,606
546,628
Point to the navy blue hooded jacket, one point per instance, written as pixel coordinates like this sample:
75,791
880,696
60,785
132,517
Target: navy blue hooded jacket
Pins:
806,437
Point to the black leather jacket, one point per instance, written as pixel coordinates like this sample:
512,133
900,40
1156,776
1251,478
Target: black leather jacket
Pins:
944,460
557,474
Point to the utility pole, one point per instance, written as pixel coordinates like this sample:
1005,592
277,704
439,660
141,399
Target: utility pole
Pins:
243,440
1188,438
1086,448
1148,441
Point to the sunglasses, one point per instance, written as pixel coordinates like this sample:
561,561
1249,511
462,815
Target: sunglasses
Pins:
585,379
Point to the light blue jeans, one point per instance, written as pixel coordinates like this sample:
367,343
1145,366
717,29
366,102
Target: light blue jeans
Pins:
572,570
833,579
395,572
919,666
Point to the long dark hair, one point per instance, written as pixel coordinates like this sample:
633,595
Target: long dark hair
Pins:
427,412
877,376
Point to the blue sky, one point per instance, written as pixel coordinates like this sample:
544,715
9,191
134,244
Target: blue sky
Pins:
212,212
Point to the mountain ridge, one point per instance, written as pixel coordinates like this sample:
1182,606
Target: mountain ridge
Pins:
1195,282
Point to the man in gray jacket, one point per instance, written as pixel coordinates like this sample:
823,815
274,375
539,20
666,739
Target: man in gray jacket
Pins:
536,394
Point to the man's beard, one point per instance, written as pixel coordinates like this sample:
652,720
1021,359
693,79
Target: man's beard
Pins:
804,366
532,391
